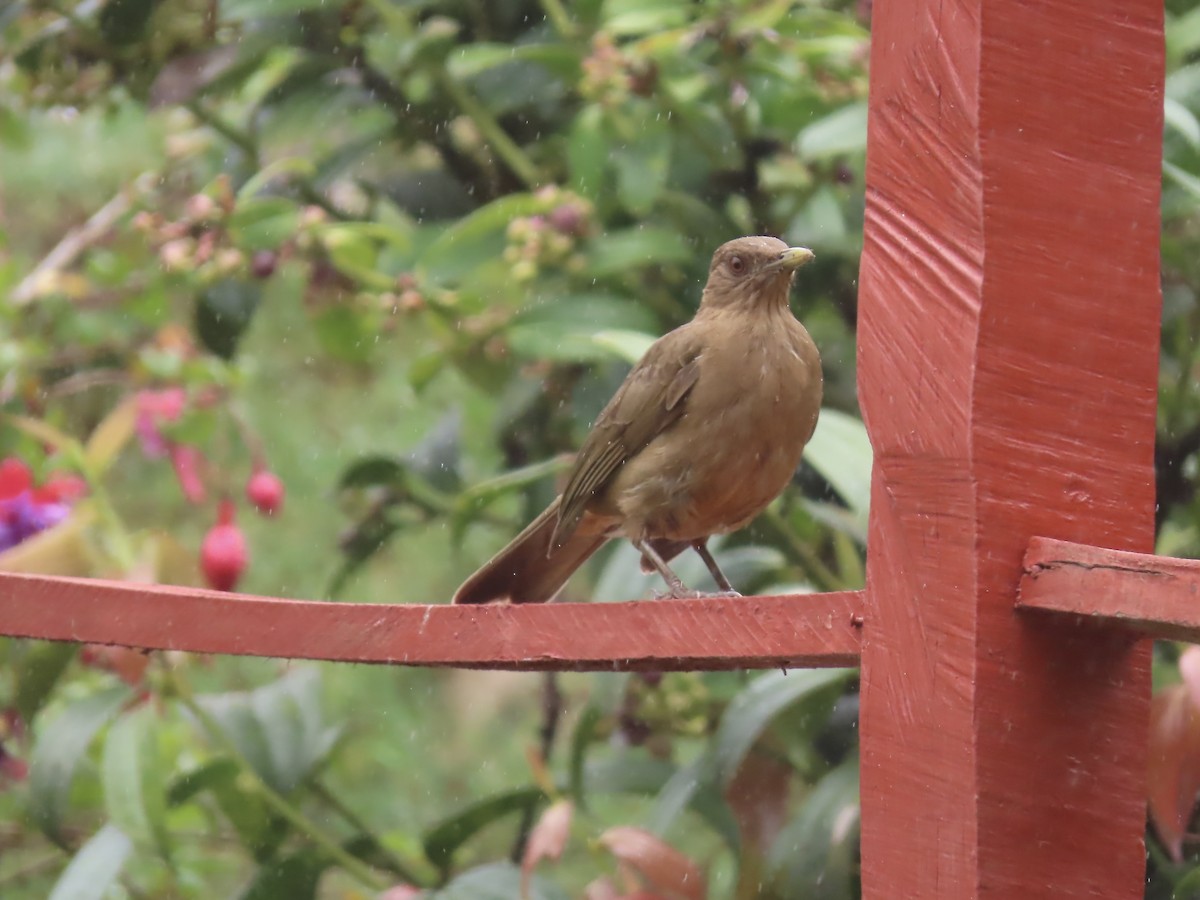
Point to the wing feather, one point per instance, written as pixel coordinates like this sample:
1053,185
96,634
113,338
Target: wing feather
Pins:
650,400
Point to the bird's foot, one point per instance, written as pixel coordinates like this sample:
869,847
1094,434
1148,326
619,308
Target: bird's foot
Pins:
689,594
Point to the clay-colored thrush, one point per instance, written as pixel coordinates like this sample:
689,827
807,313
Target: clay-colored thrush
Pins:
704,432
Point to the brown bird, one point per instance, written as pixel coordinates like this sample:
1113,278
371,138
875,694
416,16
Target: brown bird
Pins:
702,435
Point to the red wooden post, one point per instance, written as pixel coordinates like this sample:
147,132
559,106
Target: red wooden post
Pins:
1008,365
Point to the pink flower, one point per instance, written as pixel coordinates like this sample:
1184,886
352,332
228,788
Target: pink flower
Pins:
153,409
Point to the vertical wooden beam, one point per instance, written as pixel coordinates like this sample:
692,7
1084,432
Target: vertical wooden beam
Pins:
1008,363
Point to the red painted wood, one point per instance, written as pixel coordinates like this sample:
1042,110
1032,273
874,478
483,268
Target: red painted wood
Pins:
1152,596
1009,312
794,631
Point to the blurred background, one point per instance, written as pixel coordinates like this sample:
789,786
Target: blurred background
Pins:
313,298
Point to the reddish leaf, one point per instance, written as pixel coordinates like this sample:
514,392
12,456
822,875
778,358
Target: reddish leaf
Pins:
547,840
758,795
601,889
401,892
127,664
665,868
187,462
1189,671
1174,755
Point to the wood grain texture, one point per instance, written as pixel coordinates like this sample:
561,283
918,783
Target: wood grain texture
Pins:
1008,337
1151,596
794,631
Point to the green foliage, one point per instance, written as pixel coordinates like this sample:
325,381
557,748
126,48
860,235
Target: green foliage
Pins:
334,230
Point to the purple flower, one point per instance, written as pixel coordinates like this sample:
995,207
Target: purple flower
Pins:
22,517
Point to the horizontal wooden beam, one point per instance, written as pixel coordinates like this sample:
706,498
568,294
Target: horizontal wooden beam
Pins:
793,631
1156,596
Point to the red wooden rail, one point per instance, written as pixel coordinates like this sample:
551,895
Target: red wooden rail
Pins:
792,631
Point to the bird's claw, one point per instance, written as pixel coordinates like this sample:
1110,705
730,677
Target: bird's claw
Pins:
688,594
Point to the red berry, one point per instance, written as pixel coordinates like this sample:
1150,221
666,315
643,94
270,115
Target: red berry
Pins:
569,218
262,264
265,491
223,554
15,477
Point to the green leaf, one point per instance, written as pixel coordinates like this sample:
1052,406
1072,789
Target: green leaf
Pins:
1179,117
38,670
260,832
94,867
563,328
109,437
581,739
441,841
630,346
643,166
843,131
134,781
621,578
60,747
752,710
224,311
1184,179
815,855
279,727
125,21
436,457
294,877
470,60
263,223
629,773
840,451
353,248
475,239
693,786
587,152
497,881
370,471
1188,887
187,785
618,252
234,10
635,17
344,333
288,165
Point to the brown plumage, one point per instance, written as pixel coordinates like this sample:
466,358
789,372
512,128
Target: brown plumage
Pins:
704,432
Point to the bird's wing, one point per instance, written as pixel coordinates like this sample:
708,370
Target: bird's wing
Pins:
652,397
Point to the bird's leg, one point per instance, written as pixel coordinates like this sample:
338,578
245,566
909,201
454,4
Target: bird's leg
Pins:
718,576
679,590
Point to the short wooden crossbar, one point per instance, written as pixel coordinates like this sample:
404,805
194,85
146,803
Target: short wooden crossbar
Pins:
1156,596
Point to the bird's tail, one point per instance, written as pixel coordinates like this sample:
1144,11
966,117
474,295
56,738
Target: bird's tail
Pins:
527,570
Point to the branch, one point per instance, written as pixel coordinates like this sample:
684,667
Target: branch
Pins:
68,249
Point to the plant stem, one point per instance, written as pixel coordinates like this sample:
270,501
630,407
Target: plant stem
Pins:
556,13
352,864
399,867
552,709
820,574
240,139
504,146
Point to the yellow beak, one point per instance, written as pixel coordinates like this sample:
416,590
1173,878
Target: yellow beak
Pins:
795,257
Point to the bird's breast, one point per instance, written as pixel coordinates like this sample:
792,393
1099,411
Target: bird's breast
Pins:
753,408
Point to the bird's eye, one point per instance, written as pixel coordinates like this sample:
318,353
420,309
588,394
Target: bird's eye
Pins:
737,265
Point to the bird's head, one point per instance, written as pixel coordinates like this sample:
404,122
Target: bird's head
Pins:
752,271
